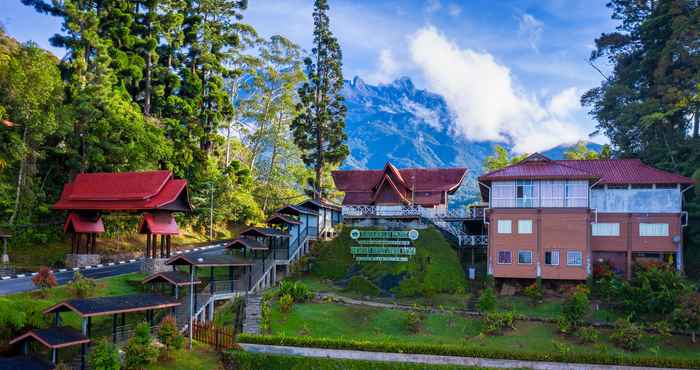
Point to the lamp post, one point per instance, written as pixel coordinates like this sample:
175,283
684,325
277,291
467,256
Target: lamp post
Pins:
211,210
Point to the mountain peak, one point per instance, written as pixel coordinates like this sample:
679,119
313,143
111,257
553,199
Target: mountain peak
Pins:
404,83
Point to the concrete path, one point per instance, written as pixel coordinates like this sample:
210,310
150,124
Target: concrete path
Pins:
251,323
430,359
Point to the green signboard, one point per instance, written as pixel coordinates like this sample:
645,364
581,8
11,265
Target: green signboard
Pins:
410,251
383,246
381,259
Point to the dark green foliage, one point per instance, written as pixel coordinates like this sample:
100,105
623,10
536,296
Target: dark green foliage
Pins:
169,335
587,334
686,316
487,301
18,315
576,307
653,291
627,335
496,322
319,126
82,287
286,302
472,351
140,351
362,285
298,291
414,322
535,293
104,356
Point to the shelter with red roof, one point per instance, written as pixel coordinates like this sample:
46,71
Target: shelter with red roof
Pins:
397,193
155,194
556,219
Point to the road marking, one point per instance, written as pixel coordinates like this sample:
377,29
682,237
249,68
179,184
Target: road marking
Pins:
62,270
20,275
110,264
76,268
6,277
132,260
35,273
99,265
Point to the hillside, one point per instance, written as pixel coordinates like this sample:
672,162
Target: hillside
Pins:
434,269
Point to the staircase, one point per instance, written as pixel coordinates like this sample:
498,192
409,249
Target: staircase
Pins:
251,323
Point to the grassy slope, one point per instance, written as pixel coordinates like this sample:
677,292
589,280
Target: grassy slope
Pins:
434,269
371,324
201,357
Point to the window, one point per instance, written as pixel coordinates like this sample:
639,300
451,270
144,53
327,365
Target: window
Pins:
524,226
576,193
524,193
605,229
504,258
525,257
653,229
574,258
504,226
551,258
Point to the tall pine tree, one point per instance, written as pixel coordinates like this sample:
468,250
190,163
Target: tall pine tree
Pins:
319,128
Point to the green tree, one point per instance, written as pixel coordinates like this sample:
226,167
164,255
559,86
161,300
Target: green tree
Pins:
501,158
580,151
319,126
104,356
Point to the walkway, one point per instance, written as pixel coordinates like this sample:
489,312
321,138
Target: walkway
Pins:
429,359
251,324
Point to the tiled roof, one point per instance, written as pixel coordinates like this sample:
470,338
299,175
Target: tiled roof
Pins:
81,223
295,210
278,218
248,243
263,231
159,223
123,191
537,167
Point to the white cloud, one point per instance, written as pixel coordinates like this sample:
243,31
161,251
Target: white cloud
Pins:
425,114
486,101
432,6
387,69
454,10
531,28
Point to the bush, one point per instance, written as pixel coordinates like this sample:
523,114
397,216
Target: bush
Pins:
496,322
535,293
169,335
475,350
653,291
576,306
487,301
414,322
82,287
140,352
686,316
298,291
627,335
286,303
44,280
19,314
362,285
587,334
265,316
104,356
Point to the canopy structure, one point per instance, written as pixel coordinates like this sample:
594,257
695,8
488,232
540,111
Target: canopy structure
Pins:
277,219
296,210
25,363
264,232
86,225
210,261
102,306
247,243
176,278
55,337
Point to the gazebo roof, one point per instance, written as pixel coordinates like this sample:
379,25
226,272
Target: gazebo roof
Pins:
264,232
25,363
295,210
54,337
249,243
101,306
84,223
221,260
281,219
160,223
317,204
173,277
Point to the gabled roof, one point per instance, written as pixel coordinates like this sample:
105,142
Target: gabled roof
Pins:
83,223
537,167
54,337
100,306
388,183
209,261
247,243
281,219
295,210
263,232
173,277
125,191
160,223
317,204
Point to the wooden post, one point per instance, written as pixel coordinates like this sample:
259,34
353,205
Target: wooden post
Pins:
148,246
162,246
114,328
167,243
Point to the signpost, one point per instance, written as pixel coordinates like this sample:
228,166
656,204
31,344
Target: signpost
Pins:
383,246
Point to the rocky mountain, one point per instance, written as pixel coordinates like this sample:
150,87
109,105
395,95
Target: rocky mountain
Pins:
411,128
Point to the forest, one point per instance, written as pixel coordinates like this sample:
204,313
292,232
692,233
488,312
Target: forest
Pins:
181,85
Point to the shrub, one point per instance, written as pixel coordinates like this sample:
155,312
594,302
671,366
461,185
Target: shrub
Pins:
576,306
535,293
19,314
286,303
627,335
654,290
362,285
104,356
563,325
82,287
487,301
169,335
414,321
265,316
139,352
686,316
298,291
496,322
44,280
587,334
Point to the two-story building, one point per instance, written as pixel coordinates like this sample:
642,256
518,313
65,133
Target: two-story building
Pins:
554,218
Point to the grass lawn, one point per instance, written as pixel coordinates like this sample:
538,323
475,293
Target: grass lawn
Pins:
371,324
201,357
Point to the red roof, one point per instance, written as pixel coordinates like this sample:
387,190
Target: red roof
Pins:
125,191
159,223
78,223
428,184
606,171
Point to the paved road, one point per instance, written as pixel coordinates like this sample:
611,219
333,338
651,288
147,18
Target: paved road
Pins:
25,284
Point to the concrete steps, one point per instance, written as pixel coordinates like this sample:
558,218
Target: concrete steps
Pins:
251,323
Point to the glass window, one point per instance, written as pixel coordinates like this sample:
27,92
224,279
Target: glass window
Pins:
574,258
605,229
504,257
551,258
524,193
576,193
504,226
524,226
525,257
653,229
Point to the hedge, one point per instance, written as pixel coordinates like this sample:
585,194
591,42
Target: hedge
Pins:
241,360
466,351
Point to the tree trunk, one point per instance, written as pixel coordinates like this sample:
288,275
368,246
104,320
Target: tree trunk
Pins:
20,178
273,158
696,123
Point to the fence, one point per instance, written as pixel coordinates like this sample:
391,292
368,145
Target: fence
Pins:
218,337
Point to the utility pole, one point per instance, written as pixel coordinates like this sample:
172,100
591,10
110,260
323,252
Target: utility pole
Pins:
211,211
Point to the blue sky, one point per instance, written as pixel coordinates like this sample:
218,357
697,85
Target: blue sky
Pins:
506,68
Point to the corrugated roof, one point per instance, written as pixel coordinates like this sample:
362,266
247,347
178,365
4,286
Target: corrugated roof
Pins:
54,337
100,306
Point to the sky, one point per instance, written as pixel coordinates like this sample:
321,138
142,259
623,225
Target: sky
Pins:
509,70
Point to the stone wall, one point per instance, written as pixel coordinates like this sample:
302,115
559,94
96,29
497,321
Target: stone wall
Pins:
154,265
82,260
